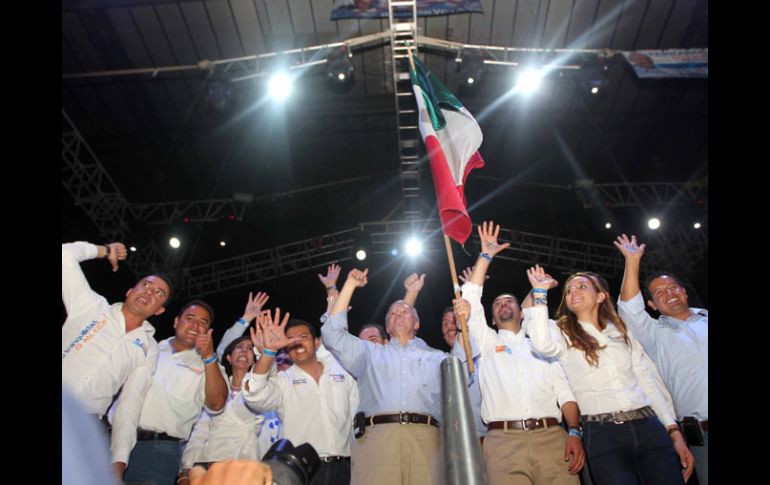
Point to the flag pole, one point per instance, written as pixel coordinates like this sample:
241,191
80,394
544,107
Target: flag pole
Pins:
463,325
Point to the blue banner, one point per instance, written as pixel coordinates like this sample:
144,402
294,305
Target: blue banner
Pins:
670,63
366,9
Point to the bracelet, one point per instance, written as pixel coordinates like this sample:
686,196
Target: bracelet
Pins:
485,256
108,250
332,287
672,429
211,359
242,321
540,290
268,352
576,432
540,301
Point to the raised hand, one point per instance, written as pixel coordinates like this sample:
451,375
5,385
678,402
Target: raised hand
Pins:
357,277
466,275
254,305
332,273
414,283
117,253
538,278
488,233
628,247
273,332
257,337
204,344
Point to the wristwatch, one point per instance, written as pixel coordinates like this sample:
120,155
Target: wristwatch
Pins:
108,250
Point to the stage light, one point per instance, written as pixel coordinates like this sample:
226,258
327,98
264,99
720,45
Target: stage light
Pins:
133,249
592,77
279,86
607,226
174,243
360,255
222,243
413,247
696,225
653,223
471,66
529,80
339,67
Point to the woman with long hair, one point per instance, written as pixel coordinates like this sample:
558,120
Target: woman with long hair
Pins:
630,433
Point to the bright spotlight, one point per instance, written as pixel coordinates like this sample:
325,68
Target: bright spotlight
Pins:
413,247
529,81
133,249
471,80
653,223
594,90
607,226
394,252
360,255
279,86
341,76
174,243
222,243
696,225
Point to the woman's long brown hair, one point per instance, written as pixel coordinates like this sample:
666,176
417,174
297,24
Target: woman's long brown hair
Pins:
578,337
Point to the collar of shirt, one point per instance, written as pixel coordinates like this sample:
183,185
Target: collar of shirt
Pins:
414,343
601,337
695,315
511,336
116,311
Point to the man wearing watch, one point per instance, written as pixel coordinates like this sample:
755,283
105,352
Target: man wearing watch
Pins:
519,390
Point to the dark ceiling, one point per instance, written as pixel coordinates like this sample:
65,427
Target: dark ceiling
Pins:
327,161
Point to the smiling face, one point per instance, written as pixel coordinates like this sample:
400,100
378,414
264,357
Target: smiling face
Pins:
148,297
402,321
193,321
668,297
506,312
242,356
582,296
449,328
305,350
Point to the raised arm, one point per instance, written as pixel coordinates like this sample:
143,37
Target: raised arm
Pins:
545,340
74,286
488,233
413,285
214,386
631,302
253,308
330,284
350,351
632,253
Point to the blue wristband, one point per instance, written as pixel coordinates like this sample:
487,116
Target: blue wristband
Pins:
540,290
211,359
242,321
269,352
576,433
485,256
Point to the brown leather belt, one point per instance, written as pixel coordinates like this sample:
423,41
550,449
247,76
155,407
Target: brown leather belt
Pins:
144,435
402,418
525,424
619,417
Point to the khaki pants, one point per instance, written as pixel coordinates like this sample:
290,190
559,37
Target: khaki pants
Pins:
398,454
517,457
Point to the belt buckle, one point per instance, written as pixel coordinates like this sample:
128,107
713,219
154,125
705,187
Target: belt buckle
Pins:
616,420
403,418
524,425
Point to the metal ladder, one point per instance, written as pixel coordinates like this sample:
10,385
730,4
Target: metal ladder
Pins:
403,36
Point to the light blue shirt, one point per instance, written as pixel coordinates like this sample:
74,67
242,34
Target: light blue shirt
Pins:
680,351
391,378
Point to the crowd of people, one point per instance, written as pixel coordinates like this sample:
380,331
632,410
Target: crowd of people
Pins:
605,387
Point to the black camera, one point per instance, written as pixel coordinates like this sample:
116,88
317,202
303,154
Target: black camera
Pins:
292,465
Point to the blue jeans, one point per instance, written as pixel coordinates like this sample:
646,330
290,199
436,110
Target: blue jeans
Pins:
155,462
701,454
631,453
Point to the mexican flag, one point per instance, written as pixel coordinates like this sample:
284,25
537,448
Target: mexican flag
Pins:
452,139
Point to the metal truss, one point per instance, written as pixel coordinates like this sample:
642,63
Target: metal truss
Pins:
641,194
191,211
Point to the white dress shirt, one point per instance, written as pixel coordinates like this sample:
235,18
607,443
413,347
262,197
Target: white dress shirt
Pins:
516,383
319,413
98,356
173,402
680,349
625,378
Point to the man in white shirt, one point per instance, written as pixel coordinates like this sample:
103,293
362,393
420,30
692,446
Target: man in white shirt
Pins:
315,398
520,390
677,342
107,346
187,377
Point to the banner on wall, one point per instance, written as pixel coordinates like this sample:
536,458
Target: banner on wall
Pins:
670,63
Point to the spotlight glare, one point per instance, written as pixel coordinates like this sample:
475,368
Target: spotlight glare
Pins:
133,249
413,247
594,90
607,226
394,252
696,225
279,86
222,243
529,80
653,223
360,255
341,76
174,243
471,80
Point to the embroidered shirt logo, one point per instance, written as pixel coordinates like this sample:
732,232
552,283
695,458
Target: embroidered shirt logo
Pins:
138,342
301,380
502,348
337,377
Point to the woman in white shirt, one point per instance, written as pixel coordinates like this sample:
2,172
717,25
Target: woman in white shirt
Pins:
630,434
235,433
